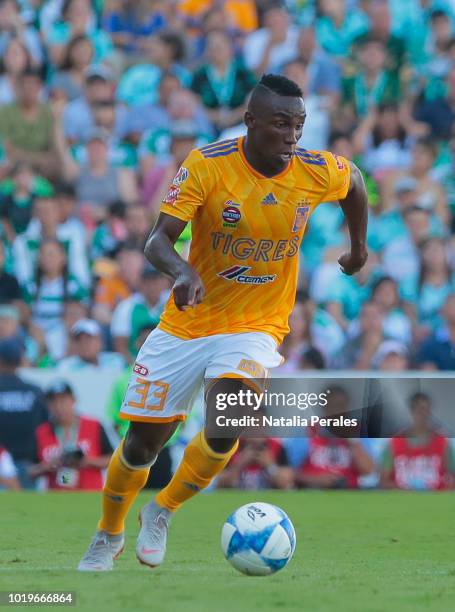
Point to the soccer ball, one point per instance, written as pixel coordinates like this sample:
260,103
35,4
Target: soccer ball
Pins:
258,539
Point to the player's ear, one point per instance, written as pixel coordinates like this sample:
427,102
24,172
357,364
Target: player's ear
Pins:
249,120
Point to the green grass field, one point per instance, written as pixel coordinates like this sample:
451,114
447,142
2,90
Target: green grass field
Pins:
360,552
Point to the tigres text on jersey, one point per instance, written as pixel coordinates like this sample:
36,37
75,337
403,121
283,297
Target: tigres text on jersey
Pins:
246,232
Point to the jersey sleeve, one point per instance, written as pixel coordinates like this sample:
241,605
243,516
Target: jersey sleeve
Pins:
339,176
188,189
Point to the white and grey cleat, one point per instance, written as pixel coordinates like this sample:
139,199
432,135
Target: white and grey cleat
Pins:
102,552
151,542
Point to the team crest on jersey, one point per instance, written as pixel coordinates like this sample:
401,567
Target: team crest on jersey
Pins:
140,369
237,273
172,195
180,177
300,218
231,214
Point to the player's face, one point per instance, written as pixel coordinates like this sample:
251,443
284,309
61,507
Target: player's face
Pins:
276,132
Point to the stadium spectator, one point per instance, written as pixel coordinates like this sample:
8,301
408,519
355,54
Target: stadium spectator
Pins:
395,323
77,19
259,463
97,182
164,53
324,74
328,461
26,126
437,352
391,356
119,283
130,22
8,472
68,81
421,457
87,350
140,309
15,60
381,29
337,28
137,225
299,337
439,113
182,108
268,48
430,194
364,336
405,248
12,26
372,84
10,291
78,116
383,140
17,195
22,410
59,340
223,82
428,290
45,225
72,450
183,138
52,286
30,339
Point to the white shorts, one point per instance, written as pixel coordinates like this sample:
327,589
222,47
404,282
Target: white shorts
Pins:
169,372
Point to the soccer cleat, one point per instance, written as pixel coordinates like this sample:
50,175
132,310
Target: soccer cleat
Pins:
151,541
102,552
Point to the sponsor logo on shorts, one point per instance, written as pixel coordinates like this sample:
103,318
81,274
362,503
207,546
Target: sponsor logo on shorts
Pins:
300,218
172,195
180,177
237,273
231,214
140,369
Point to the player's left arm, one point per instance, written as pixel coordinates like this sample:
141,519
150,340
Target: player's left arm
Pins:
355,209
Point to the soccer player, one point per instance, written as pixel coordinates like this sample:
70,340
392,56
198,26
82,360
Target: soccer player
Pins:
248,200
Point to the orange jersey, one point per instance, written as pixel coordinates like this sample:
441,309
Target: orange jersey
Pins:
246,233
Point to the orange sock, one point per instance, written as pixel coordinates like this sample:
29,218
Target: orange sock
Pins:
199,466
123,483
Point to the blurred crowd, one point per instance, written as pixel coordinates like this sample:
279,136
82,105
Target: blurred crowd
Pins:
101,101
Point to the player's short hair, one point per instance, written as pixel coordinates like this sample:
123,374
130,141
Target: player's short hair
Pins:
280,85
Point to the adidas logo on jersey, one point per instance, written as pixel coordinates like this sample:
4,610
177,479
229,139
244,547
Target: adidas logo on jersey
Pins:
269,199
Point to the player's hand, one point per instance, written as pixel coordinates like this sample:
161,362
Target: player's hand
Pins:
354,261
188,290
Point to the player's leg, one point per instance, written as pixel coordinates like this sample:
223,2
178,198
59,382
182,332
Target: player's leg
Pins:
159,393
127,474
234,358
202,461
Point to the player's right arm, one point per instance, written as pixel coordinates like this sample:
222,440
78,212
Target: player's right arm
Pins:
187,193
188,287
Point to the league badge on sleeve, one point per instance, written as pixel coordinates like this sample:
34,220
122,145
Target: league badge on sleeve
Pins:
180,177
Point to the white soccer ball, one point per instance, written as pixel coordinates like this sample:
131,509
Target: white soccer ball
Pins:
258,539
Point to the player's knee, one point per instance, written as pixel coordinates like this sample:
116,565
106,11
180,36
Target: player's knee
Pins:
140,448
220,445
